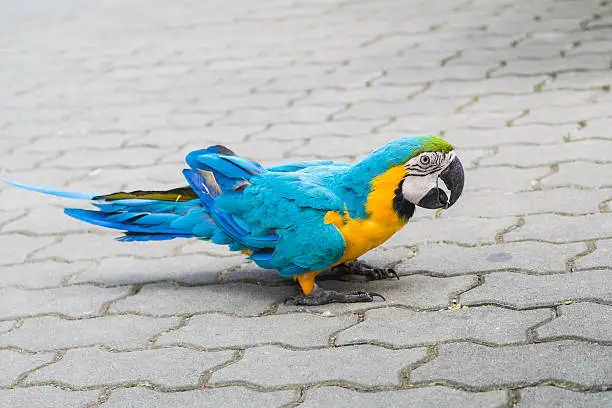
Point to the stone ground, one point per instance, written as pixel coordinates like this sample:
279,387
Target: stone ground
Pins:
505,300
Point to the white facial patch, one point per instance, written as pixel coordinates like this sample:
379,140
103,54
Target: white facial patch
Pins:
414,188
422,175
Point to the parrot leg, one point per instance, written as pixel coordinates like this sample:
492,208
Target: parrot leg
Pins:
364,269
320,296
314,295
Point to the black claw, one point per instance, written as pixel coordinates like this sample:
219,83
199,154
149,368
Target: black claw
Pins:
373,294
361,268
323,297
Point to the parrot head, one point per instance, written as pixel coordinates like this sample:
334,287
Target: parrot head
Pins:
434,175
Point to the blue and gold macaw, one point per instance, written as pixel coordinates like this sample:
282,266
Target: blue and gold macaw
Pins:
298,218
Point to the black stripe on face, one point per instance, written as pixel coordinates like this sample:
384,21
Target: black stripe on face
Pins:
425,164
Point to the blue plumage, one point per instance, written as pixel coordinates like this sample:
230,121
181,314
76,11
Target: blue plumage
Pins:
277,214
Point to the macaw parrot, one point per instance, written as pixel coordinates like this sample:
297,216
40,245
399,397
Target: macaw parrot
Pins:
298,218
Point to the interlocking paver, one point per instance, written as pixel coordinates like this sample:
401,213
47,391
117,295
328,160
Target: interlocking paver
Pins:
417,291
525,156
112,97
217,397
554,397
40,275
75,301
481,366
365,364
76,247
587,320
430,397
506,179
15,363
191,269
47,396
540,290
15,248
169,367
237,298
562,228
402,327
297,330
559,200
481,231
534,257
601,258
117,332
580,174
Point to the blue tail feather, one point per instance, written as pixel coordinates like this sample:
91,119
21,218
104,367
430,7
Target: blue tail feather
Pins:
52,191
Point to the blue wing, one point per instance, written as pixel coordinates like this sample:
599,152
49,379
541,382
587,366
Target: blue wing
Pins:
291,206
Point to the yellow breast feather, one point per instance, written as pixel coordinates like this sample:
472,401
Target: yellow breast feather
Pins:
363,234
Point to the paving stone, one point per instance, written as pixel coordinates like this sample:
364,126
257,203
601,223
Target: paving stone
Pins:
288,131
377,109
203,136
271,366
295,114
588,150
502,103
17,161
46,396
508,135
237,298
169,367
84,140
404,327
40,275
560,228
429,397
544,290
248,271
601,258
416,291
493,85
487,367
471,231
217,397
129,157
554,397
535,67
505,179
75,301
46,220
336,97
191,269
14,248
595,128
587,320
580,80
117,332
295,329
353,146
534,257
580,174
15,363
7,326
500,204
78,247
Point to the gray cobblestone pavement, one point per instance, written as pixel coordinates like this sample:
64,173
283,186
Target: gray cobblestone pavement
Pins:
504,300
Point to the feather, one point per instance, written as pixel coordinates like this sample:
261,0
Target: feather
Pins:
52,191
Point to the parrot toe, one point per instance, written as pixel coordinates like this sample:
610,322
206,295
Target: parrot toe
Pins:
322,297
363,269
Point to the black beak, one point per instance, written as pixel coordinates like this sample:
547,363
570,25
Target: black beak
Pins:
453,178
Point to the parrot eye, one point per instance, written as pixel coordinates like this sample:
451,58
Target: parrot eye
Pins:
425,160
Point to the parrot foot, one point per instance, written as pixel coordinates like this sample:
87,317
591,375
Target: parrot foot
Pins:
321,296
364,269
